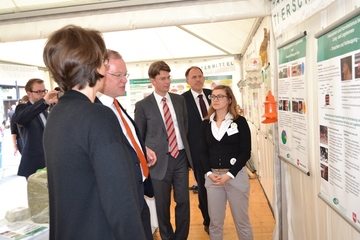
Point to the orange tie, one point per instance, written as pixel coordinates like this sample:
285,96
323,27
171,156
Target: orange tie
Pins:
139,153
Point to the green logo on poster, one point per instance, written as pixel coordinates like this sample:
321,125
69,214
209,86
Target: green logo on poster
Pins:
336,201
283,137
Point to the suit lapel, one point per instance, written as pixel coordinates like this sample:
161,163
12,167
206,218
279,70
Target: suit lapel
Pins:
156,110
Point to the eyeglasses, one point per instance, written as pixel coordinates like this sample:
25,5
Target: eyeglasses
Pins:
120,75
40,91
218,97
165,78
106,61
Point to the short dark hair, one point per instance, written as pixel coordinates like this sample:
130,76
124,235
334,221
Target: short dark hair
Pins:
30,83
73,55
189,69
156,67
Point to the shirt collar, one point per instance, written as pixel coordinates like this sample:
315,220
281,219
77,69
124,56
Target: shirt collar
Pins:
105,99
195,94
159,98
228,117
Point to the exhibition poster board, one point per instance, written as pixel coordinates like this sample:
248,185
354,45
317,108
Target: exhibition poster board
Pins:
339,119
292,105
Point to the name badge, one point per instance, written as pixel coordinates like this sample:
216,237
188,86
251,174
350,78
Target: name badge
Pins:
232,131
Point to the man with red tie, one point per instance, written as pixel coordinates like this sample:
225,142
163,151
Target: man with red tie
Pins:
114,86
162,121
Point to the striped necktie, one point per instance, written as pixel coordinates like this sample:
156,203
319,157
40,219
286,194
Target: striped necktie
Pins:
169,124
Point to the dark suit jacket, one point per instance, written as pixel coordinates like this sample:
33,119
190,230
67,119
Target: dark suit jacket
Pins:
145,187
31,127
194,119
91,179
149,120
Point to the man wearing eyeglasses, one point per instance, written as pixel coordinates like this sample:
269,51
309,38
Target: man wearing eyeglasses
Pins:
31,120
114,86
197,103
162,121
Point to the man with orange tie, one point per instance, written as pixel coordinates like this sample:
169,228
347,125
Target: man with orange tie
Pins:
114,86
162,121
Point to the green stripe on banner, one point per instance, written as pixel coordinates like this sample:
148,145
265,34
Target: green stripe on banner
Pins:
293,51
339,41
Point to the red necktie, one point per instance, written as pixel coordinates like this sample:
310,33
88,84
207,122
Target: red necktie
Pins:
169,124
139,153
202,106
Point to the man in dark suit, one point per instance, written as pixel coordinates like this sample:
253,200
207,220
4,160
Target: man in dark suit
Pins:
31,120
154,115
195,78
114,86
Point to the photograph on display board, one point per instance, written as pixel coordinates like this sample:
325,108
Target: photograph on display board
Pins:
295,106
324,154
346,68
283,73
286,105
357,65
324,134
324,171
296,70
280,105
301,107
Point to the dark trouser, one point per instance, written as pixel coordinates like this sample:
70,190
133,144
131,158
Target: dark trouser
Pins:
202,195
145,217
177,175
20,144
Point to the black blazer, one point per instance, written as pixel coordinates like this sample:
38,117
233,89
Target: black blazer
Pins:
90,173
147,188
230,152
194,119
31,127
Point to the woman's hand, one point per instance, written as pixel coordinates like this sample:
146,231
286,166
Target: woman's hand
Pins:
219,179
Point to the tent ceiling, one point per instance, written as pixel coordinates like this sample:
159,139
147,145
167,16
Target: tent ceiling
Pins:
142,31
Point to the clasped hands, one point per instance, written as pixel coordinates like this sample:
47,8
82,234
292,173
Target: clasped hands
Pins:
219,179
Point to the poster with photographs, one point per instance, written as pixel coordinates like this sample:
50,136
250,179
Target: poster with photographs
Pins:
292,115
339,119
142,87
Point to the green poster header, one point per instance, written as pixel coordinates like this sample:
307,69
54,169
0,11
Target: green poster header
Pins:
339,41
293,51
140,81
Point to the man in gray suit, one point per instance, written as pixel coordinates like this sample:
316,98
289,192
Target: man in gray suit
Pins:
154,115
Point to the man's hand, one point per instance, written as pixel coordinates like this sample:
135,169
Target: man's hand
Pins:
151,157
51,97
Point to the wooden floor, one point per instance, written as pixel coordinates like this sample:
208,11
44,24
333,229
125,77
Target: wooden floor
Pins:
261,217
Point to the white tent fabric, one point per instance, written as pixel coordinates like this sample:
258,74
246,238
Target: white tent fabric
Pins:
142,31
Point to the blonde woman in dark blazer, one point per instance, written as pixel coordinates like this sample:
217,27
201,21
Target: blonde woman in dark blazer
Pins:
225,148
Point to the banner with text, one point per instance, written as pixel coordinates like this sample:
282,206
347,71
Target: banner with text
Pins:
292,115
288,13
339,119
